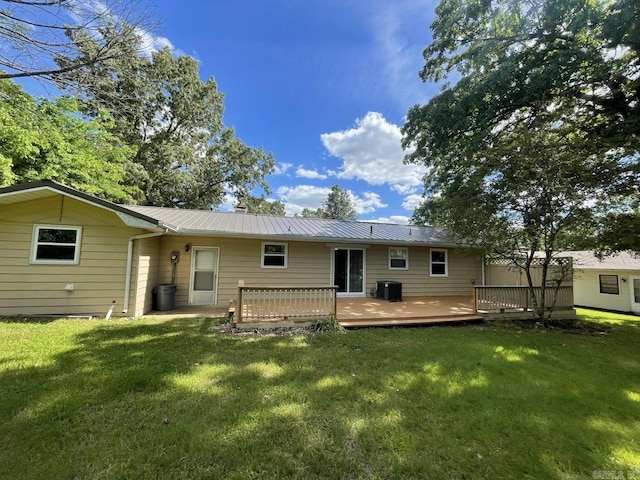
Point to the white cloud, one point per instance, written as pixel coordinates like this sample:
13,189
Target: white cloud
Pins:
228,203
298,197
371,151
412,201
369,202
281,168
150,43
303,172
404,189
301,196
399,219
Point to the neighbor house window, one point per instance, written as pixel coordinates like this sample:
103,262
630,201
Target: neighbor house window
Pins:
609,284
438,263
56,244
398,258
274,255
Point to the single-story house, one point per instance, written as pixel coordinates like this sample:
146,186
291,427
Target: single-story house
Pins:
610,283
64,252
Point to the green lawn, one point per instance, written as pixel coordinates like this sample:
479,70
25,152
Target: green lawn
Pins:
93,399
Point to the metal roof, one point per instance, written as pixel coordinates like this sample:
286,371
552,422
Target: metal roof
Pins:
205,222
587,260
234,224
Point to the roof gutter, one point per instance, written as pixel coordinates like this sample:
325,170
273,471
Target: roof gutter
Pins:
127,281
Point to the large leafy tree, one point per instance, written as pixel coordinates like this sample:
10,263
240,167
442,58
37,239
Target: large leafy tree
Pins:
174,120
617,232
539,135
311,213
52,139
33,33
337,206
575,60
263,206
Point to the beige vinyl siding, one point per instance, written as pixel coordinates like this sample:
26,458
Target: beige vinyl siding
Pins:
586,289
501,275
463,270
309,264
145,275
98,279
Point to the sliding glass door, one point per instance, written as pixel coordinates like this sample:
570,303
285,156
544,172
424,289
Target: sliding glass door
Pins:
348,270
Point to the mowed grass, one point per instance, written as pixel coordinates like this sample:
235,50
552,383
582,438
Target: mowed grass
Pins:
150,398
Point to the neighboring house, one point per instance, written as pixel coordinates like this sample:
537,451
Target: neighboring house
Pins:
64,252
610,283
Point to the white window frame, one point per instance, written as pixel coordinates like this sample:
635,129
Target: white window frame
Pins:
35,243
285,255
445,263
405,258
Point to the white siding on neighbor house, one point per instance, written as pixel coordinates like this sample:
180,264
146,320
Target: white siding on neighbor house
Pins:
39,289
586,289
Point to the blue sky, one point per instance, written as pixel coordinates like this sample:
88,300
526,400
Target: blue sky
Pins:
323,84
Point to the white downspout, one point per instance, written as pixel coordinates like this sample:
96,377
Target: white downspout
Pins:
127,281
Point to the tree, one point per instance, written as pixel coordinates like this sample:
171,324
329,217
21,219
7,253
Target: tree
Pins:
45,139
539,135
338,205
618,232
521,60
309,213
161,107
34,33
263,206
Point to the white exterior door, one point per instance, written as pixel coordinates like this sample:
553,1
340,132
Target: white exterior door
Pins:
635,294
204,276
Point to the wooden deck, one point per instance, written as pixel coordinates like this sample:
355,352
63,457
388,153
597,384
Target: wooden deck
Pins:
371,312
366,312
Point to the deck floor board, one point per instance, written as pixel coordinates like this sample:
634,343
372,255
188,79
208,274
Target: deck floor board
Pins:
370,312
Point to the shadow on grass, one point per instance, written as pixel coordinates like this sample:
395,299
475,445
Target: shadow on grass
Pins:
172,400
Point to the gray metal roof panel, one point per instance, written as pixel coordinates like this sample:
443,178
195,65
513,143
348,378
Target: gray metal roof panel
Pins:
247,224
206,222
588,261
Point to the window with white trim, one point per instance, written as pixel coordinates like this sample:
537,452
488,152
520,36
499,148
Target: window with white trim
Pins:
274,255
56,244
609,284
438,263
398,258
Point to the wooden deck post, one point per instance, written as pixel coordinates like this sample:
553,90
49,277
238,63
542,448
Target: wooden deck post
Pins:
474,300
240,304
335,302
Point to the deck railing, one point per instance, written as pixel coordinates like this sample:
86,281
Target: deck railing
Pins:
257,304
518,298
